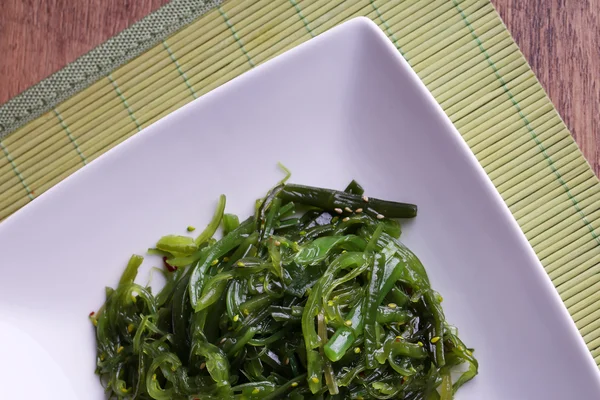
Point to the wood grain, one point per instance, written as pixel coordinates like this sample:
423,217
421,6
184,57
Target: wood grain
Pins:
560,39
39,37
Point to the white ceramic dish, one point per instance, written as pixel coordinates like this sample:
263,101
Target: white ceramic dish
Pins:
351,105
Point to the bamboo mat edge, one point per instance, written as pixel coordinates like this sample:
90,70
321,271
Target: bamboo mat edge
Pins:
94,65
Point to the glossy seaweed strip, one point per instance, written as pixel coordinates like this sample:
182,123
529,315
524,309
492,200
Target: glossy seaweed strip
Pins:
322,304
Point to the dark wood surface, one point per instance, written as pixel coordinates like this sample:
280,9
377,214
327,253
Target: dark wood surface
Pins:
560,39
39,37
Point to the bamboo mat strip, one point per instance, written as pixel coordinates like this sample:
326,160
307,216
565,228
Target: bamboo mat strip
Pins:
459,48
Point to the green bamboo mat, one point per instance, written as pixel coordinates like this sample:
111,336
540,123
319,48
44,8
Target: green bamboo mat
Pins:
459,48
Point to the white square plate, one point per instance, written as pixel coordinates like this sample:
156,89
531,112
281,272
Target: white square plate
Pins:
344,105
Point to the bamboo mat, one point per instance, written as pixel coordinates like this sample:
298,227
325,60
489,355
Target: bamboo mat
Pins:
459,48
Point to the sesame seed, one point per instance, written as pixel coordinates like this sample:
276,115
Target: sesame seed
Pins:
338,210
348,209
120,349
277,243
236,318
392,305
348,323
294,384
357,350
240,264
380,216
420,344
314,379
435,339
365,199
359,210
346,219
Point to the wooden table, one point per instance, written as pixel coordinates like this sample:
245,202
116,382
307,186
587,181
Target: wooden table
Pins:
560,39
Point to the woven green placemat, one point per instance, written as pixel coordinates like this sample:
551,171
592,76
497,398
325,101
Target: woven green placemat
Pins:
459,48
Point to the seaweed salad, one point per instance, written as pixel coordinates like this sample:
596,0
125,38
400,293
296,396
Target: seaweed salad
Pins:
312,297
